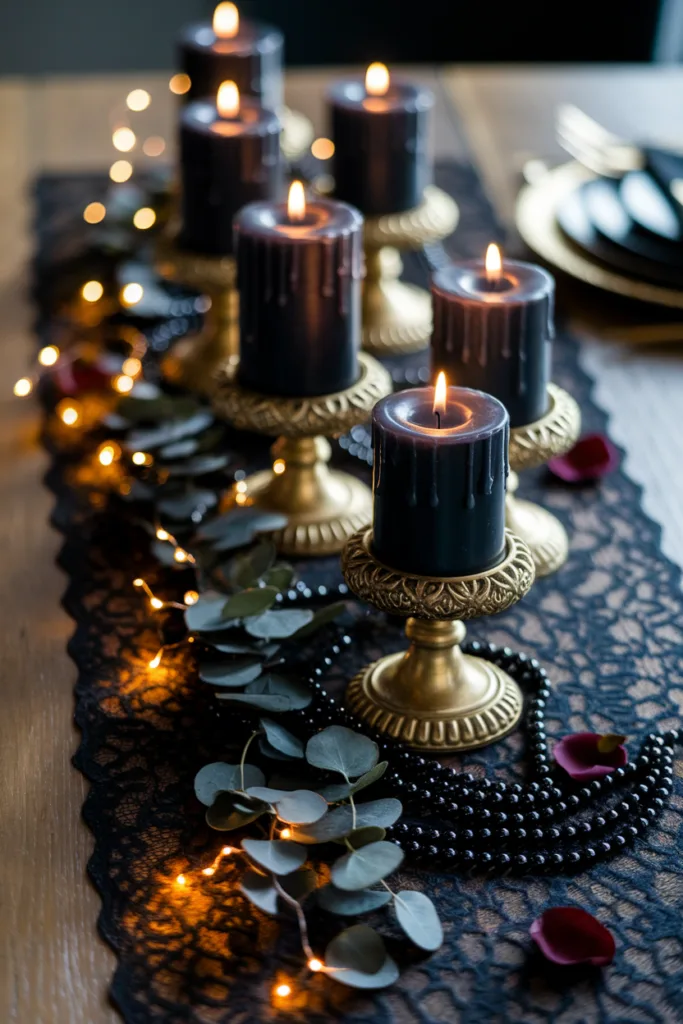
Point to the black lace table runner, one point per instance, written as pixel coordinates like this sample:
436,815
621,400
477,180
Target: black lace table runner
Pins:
607,627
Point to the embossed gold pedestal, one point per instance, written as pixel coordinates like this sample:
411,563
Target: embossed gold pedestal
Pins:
323,506
531,446
397,317
432,696
193,361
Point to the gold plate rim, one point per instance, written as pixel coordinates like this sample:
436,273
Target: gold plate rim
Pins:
537,224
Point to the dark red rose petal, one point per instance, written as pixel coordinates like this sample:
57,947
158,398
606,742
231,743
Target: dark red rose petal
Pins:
581,758
570,935
590,459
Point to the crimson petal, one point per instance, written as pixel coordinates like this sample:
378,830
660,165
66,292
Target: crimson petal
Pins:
590,459
570,935
582,759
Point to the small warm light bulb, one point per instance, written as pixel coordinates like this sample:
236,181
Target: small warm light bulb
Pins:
138,582
120,171
493,263
279,466
296,201
123,383
323,149
240,498
226,21
132,366
180,84
156,603
283,990
228,99
241,486
138,99
92,291
153,146
144,218
377,80
106,454
23,387
140,458
94,213
163,534
286,833
48,356
154,663
132,293
124,139
315,965
208,871
440,392
190,597
180,555
181,880
68,413
226,851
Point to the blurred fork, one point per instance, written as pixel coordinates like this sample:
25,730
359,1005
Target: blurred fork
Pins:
593,146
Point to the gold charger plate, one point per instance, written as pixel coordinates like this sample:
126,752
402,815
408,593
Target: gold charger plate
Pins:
537,224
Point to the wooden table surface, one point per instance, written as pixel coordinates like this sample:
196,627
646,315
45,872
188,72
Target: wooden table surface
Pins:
54,969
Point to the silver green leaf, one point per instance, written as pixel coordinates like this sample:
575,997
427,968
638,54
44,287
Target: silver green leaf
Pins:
180,449
175,430
418,918
300,883
343,790
205,615
269,751
281,739
281,576
219,777
239,527
247,567
354,959
253,601
321,618
367,834
273,693
229,674
339,749
163,553
277,625
224,816
184,507
260,890
276,855
264,651
366,867
299,807
348,904
202,465
340,822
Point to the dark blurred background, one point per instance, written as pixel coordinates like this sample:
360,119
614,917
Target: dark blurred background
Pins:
71,36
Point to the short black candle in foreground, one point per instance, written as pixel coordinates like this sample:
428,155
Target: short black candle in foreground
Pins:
380,130
299,268
248,53
439,491
493,330
229,156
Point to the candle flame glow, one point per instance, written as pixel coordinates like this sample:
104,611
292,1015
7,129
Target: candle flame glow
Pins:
228,99
377,79
440,392
226,21
493,262
296,201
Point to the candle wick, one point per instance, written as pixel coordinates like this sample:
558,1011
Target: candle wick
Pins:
438,419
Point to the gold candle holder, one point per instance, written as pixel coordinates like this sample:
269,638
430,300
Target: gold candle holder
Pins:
323,506
432,696
397,317
531,446
193,361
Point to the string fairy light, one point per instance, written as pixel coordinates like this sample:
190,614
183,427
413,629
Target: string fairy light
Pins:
108,452
190,597
23,387
132,367
154,663
124,139
48,356
215,864
94,213
283,990
181,880
142,459
315,965
123,383
92,291
68,412
181,555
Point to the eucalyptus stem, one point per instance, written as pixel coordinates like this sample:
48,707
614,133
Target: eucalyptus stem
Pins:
354,817
301,918
244,757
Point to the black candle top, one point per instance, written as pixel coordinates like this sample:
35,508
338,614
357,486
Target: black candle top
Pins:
467,416
252,37
323,219
516,284
252,119
401,96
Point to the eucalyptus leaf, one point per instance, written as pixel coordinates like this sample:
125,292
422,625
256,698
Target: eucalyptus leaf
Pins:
225,817
249,602
386,976
276,625
358,948
230,674
418,918
184,507
300,883
268,751
339,749
219,777
259,889
240,526
205,615
343,790
247,567
202,465
282,739
180,449
165,407
299,807
264,651
340,822
367,866
276,855
173,430
272,702
281,576
139,491
361,837
273,693
322,617
348,904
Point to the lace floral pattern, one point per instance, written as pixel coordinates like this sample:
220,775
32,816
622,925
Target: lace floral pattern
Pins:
607,626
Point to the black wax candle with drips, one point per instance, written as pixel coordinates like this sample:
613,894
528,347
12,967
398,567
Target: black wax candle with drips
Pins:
225,162
299,282
493,333
248,53
381,159
439,492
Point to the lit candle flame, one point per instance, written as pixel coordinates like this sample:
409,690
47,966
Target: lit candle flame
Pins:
440,392
377,80
228,99
226,21
493,263
296,201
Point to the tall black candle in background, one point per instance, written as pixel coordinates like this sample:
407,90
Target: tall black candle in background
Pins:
248,53
493,331
439,479
380,130
299,269
229,156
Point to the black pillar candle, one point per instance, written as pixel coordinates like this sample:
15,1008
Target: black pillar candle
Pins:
299,269
229,156
439,481
380,130
246,52
493,330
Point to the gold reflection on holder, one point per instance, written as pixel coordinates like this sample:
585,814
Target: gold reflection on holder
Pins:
531,446
433,696
323,506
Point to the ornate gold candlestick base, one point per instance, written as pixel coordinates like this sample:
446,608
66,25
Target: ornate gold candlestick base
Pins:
324,507
193,361
433,696
397,317
531,446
